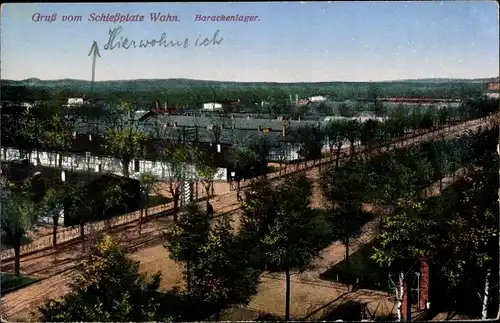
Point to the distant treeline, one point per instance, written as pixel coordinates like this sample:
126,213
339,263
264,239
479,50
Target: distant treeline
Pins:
191,93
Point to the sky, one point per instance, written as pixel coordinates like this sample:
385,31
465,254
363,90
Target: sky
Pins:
288,42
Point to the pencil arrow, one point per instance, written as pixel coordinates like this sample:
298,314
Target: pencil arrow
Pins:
94,49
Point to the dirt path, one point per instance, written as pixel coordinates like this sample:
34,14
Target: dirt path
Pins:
56,266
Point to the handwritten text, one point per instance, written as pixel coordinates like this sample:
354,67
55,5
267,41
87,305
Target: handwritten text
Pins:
116,41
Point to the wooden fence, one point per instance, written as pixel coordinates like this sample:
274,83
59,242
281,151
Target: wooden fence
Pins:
73,233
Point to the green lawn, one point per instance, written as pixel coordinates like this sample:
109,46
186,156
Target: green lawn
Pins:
11,282
370,274
155,200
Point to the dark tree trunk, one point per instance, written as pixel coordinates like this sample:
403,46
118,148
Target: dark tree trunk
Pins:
188,276
287,294
140,218
176,206
346,244
125,166
82,234
55,220
339,147
17,255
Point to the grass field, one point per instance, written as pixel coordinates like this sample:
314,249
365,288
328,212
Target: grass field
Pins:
362,267
11,282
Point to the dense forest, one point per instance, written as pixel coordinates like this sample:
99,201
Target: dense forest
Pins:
191,93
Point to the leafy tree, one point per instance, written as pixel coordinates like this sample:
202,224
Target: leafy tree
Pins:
51,201
276,224
353,134
222,275
472,226
205,171
368,133
147,181
124,140
109,288
260,149
311,142
81,207
344,190
187,237
19,215
405,235
335,131
346,110
126,144
57,136
29,132
177,160
243,161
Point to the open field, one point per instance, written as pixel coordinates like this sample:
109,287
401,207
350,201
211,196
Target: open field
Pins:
57,266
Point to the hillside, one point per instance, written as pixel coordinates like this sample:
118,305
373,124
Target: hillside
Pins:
182,83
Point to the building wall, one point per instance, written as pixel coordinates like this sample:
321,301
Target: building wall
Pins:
104,164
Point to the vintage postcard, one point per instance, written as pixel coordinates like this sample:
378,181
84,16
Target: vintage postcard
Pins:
249,161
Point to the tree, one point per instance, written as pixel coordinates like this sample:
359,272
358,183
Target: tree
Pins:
109,288
373,96
52,201
344,190
124,140
58,136
81,207
469,246
19,215
222,275
353,134
276,222
186,238
28,134
126,144
405,235
311,141
177,160
335,131
147,181
243,161
346,110
206,171
368,133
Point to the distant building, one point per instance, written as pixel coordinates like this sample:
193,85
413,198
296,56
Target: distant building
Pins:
303,102
493,95
11,104
75,101
494,86
317,98
212,106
